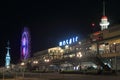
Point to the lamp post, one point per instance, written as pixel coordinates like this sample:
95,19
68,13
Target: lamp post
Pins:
46,61
35,63
79,55
22,64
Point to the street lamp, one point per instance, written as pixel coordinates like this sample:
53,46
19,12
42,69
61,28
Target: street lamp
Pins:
46,60
22,64
35,62
79,55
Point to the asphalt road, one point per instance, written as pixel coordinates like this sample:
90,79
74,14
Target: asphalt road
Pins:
57,76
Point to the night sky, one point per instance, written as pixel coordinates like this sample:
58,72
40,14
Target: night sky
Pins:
50,21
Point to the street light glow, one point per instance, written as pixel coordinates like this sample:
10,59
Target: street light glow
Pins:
22,63
79,54
46,60
35,62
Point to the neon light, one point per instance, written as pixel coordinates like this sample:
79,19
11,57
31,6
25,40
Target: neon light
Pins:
73,40
76,39
25,44
60,43
68,41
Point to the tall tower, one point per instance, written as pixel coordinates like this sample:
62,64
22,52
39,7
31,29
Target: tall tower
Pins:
104,20
7,64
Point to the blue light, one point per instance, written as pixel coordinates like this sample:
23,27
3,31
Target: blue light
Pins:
60,43
7,64
68,41
76,39
73,40
64,42
24,41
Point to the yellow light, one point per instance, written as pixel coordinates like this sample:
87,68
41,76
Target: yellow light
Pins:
79,54
22,63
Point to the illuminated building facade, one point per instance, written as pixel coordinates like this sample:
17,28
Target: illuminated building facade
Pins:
81,55
107,44
49,54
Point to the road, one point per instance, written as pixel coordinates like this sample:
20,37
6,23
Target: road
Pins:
57,76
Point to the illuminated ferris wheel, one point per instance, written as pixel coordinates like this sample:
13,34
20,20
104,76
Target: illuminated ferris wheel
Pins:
25,44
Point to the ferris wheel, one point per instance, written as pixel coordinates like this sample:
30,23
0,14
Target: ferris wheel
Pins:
25,44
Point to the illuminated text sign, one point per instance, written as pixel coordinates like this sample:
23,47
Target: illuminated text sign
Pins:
68,41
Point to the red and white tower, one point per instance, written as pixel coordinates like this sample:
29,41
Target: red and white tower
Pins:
104,20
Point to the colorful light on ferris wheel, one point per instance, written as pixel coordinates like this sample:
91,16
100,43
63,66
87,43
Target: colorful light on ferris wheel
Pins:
25,44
